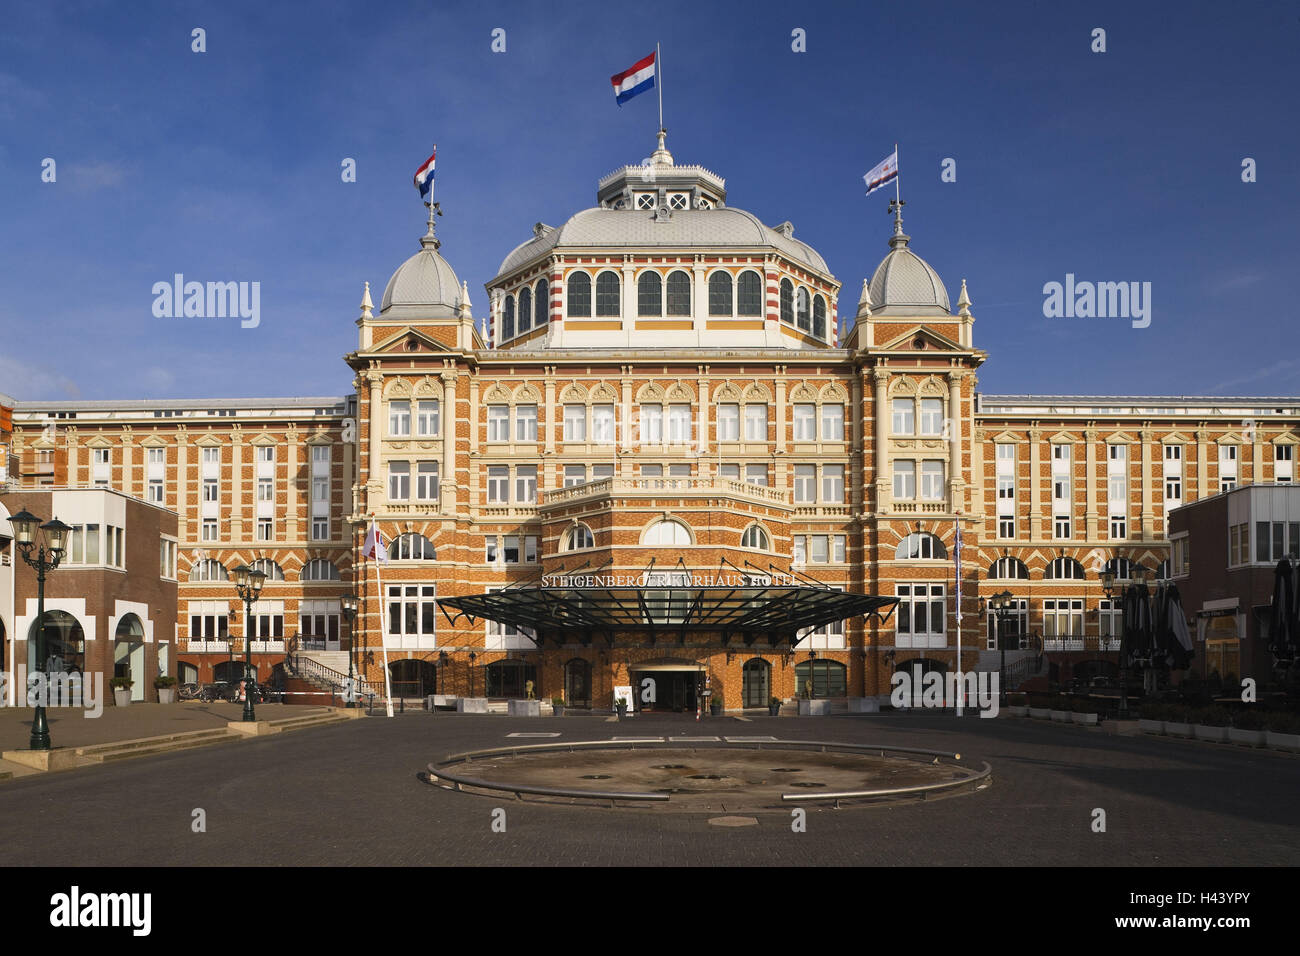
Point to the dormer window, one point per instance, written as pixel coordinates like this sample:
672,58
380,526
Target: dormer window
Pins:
678,201
646,200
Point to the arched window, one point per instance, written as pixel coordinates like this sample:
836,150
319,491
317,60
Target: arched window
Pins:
801,309
577,538
819,317
579,295
649,294
749,294
525,309
920,546
1122,568
679,293
607,294
319,569
755,682
755,537
1162,572
541,307
1064,569
720,293
787,301
828,678
411,547
509,678
666,532
209,570
271,569
508,319
1008,568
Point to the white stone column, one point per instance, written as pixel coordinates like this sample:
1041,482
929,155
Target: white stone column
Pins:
880,378
1090,482
374,479
447,476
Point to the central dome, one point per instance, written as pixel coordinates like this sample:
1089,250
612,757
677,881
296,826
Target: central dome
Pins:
905,284
424,286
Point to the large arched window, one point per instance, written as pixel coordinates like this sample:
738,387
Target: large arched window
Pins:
755,537
1122,568
525,309
720,293
411,547
579,295
819,317
666,532
577,538
679,293
508,319
1007,569
749,294
787,301
542,305
607,294
649,294
271,569
319,569
920,546
801,310
828,678
209,570
1064,569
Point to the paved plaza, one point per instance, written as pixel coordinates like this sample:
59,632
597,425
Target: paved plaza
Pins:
352,794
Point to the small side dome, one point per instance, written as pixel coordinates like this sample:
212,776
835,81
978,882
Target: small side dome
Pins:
423,286
904,282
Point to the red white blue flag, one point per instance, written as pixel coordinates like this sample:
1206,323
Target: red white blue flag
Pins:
424,177
885,172
636,79
375,546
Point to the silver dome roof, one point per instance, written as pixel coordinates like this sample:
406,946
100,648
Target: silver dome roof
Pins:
424,286
905,284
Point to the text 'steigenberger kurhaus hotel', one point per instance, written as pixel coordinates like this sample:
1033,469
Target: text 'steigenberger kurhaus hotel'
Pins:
676,453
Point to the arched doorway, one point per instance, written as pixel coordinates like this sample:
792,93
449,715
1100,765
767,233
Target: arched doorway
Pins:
828,678
128,653
413,678
509,678
577,683
65,644
756,683
232,671
186,673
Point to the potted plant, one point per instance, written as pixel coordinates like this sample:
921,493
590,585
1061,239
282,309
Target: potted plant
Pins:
1247,728
620,705
715,703
121,690
1283,732
1212,724
774,707
166,687
557,705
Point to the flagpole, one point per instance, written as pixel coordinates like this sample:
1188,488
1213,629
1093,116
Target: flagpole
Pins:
383,637
659,84
961,688
898,176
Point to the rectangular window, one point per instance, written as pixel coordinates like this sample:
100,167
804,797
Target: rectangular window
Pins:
530,548
167,558
833,484
428,417
426,481
491,551
805,483
412,611
832,423
1061,526
498,421
525,423
1063,621
265,490
904,480
679,424
574,475
399,480
607,471
510,550
155,490
805,422
1261,541
1118,526
602,424
756,423
1282,462
1006,526
931,416
731,472
265,529
674,471
818,549
756,475
932,480
399,419
320,529
728,423
657,471
526,484
100,473
921,615
904,410
652,424
1173,491
800,551
575,422
1110,626
1014,626
1227,467
837,548
209,530
498,484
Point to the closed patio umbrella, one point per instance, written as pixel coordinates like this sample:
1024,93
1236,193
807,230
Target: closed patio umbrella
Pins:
1172,638
1137,623
1284,630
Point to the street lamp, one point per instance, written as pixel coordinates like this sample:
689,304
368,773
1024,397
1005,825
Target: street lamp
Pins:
248,584
24,525
349,603
442,664
1001,604
472,657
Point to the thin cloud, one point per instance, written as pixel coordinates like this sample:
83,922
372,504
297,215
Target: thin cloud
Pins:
1285,366
88,177
33,384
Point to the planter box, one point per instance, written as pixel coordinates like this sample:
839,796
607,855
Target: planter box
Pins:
1218,735
1088,720
1278,741
1246,738
1040,713
524,708
863,705
472,705
121,696
1018,711
166,695
442,700
1178,730
814,708
1151,726
1060,716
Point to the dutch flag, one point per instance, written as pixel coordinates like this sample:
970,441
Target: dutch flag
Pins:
636,79
424,177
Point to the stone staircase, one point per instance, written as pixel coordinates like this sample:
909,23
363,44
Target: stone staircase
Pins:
188,740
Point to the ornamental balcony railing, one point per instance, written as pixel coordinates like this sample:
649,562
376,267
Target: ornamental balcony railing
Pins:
1078,642
605,487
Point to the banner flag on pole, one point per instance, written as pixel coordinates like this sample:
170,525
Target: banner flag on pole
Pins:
884,172
637,78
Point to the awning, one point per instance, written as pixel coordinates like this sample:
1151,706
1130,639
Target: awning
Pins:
771,615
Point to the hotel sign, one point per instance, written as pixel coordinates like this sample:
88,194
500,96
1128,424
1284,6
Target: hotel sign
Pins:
672,579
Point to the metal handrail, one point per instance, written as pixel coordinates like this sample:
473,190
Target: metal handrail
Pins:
297,661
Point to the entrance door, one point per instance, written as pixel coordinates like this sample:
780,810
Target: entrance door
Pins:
755,683
577,683
128,654
675,691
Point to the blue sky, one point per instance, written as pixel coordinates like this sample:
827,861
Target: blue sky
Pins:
225,165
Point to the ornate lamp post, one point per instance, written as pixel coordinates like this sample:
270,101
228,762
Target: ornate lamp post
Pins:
1108,585
1001,604
248,584
472,658
349,604
24,525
